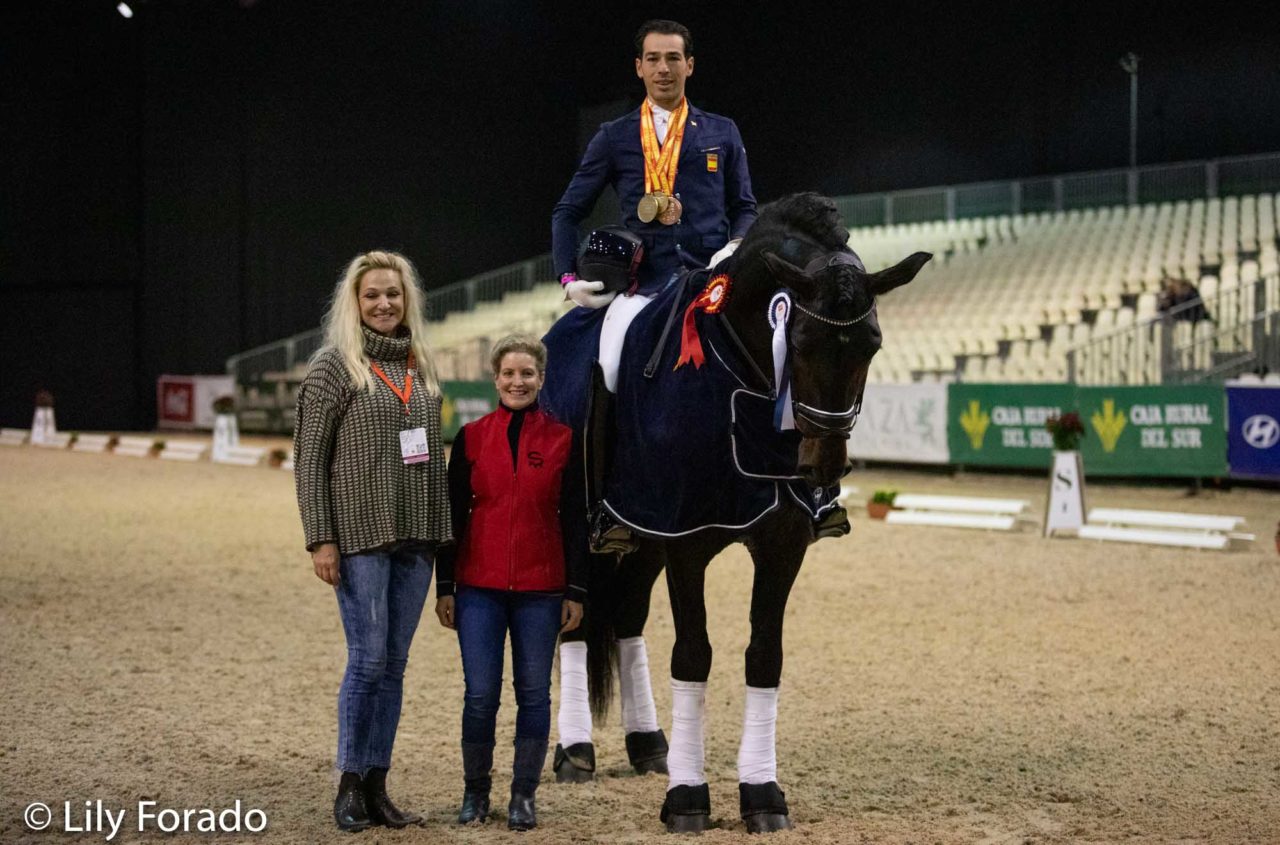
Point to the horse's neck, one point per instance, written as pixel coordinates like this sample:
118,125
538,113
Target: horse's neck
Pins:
748,313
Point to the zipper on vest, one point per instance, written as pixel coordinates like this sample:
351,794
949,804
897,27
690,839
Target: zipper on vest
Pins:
515,498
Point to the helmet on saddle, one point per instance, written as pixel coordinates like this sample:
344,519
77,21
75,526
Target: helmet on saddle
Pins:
611,254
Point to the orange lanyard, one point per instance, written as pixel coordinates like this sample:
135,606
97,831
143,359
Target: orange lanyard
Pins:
403,395
660,160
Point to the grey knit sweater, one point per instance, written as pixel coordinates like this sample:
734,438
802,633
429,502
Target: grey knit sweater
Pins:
353,487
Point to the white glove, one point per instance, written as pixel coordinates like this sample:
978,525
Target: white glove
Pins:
725,251
584,293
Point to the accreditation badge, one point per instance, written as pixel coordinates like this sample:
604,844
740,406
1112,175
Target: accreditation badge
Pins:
413,446
713,162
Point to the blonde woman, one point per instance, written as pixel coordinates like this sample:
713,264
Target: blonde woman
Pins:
373,495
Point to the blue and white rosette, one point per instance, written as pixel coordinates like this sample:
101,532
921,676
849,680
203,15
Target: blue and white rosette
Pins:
779,319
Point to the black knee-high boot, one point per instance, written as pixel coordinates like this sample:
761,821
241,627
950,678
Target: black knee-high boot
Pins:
477,763
526,772
605,534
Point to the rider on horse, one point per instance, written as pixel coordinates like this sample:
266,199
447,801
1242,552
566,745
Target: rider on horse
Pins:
681,177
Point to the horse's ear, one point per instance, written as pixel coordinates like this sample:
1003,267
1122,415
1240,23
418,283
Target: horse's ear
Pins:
899,274
791,276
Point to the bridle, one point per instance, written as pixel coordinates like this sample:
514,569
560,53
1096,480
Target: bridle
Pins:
811,421
830,423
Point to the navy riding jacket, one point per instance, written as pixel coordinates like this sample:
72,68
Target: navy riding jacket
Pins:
712,184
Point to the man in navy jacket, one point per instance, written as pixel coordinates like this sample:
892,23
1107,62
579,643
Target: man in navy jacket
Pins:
711,181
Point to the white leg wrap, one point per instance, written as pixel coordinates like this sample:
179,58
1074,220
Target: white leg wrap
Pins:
574,718
621,312
684,759
757,756
638,712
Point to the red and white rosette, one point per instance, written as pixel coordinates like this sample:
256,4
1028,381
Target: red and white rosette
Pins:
712,300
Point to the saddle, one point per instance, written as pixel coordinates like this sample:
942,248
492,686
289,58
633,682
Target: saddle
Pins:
692,448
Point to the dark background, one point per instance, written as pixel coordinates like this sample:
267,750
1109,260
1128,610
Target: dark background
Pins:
187,184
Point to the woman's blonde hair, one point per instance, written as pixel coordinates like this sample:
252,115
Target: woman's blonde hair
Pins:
342,320
518,343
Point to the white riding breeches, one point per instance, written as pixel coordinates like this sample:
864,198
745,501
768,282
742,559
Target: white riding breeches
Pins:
621,312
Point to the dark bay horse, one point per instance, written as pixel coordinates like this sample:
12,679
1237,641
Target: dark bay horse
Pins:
738,449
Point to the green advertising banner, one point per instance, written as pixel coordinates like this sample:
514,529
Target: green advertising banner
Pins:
464,402
1003,424
1178,430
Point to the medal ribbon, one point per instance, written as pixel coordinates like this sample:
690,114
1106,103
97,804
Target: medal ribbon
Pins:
660,160
402,395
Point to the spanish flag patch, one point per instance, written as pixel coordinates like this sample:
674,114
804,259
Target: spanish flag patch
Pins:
713,162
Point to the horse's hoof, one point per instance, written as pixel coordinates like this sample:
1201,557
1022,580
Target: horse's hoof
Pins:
575,764
764,807
647,751
687,809
768,822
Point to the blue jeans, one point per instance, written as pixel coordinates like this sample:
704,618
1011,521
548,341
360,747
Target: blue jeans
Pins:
483,618
380,597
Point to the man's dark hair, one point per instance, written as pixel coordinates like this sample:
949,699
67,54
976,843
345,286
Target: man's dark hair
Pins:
664,28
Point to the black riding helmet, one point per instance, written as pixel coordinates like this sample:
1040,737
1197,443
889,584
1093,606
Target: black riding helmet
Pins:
611,254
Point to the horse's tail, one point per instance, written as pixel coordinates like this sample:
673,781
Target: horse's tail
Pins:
602,640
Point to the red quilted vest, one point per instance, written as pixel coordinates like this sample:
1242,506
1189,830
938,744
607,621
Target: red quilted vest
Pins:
513,539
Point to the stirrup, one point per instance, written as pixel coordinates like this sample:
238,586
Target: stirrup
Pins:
608,536
834,524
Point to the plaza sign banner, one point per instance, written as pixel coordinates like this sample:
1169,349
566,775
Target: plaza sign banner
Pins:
902,422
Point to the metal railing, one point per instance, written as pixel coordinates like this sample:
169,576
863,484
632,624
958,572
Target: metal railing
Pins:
1123,186
1179,346
1153,183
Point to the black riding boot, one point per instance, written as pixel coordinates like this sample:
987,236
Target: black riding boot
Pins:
526,772
834,523
349,808
477,762
381,810
605,534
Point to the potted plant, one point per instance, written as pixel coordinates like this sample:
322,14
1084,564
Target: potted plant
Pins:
112,442
1066,431
276,457
880,503
224,405
157,446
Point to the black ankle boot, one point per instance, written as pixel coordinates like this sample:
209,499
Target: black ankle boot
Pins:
477,762
381,810
349,809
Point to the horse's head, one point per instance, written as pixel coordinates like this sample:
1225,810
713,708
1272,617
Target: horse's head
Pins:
832,336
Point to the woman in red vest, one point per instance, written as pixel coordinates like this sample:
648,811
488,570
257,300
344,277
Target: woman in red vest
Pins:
518,517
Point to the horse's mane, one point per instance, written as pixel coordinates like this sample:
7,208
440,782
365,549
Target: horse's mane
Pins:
809,214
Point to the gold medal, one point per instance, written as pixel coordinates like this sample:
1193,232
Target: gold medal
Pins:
648,208
652,206
670,215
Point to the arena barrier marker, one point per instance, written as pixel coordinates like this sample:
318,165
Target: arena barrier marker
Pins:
54,440
184,450
13,437
91,443
957,511
135,447
245,456
1164,528
1065,508
43,427
846,492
